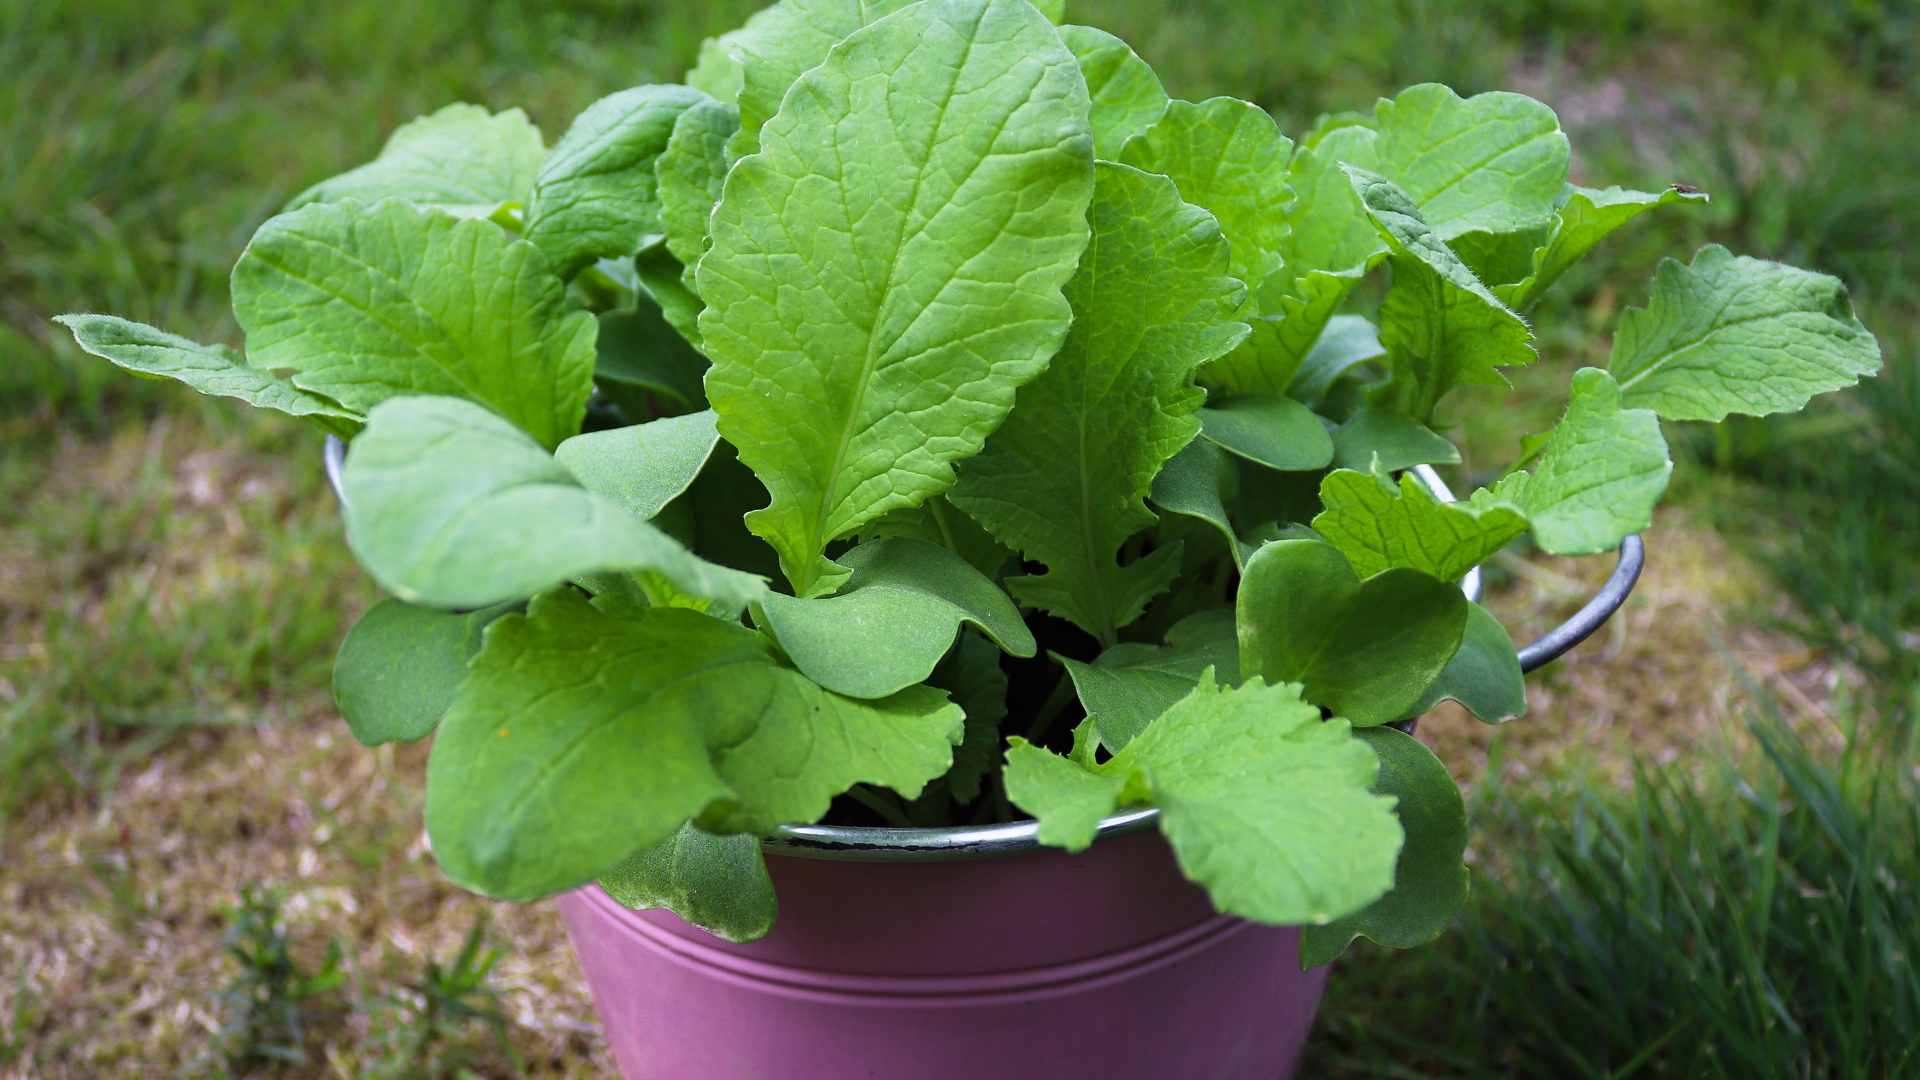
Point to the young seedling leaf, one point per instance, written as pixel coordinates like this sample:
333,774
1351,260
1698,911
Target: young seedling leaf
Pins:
210,369
1377,526
894,619
972,678
399,665
1397,440
1599,477
1201,481
1064,481
780,43
869,326
940,522
1274,431
450,506
717,883
1441,327
1227,157
461,158
597,194
1430,876
1484,675
1068,798
691,171
637,348
1587,218
642,467
1131,684
362,303
1365,649
1738,335
1127,96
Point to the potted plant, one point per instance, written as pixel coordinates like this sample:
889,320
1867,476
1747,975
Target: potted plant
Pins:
812,441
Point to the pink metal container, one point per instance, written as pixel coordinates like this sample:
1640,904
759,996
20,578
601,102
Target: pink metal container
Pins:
1107,964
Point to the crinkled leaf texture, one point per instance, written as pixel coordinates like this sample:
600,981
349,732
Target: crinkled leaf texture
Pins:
210,369
1441,327
461,158
1599,476
361,303
596,195
778,44
1266,805
450,506
1430,876
717,883
1587,217
643,467
1065,479
1126,94
1378,526
1368,650
691,172
398,667
1734,334
589,730
1484,676
1128,686
894,619
869,327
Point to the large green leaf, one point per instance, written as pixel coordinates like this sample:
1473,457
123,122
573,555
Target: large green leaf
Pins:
398,667
210,369
894,619
1274,431
717,883
1266,805
1484,675
597,194
1441,327
1327,228
1494,162
643,467
691,171
1599,477
461,158
715,71
1587,218
1229,158
1127,96
1741,335
1065,479
1201,481
1430,877
780,43
361,303
1128,686
589,730
450,506
1377,526
869,327
1365,649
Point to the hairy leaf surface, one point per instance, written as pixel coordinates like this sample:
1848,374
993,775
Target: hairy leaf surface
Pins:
869,326
643,467
717,883
461,158
361,303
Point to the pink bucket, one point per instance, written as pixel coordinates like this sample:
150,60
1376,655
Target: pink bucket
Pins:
1107,964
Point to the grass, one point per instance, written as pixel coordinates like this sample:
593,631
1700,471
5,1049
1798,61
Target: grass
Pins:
173,583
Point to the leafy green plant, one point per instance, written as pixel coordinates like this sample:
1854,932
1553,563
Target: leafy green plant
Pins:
954,323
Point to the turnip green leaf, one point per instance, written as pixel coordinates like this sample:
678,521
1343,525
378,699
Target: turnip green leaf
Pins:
1064,481
1128,686
399,666
939,521
780,43
972,678
691,171
1368,650
1599,477
869,327
364,302
461,158
666,283
636,347
642,467
1275,431
1396,439
1068,798
1494,162
587,731
1587,218
1127,96
893,619
449,505
717,883
1429,878
1377,526
1738,335
1484,675
210,369
715,71
1346,342
1201,481
597,194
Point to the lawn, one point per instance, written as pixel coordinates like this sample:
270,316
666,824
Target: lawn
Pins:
1695,856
